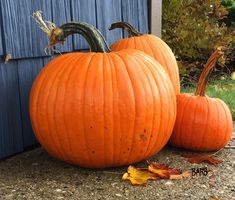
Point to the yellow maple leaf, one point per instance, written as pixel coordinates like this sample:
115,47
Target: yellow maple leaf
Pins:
138,176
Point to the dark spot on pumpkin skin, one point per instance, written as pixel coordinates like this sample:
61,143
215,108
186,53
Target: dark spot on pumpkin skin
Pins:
91,126
93,152
143,136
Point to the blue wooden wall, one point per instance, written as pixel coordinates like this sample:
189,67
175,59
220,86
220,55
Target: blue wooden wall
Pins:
20,37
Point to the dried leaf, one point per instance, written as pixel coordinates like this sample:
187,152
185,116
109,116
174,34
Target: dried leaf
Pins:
161,170
192,158
180,176
233,75
138,176
7,58
214,198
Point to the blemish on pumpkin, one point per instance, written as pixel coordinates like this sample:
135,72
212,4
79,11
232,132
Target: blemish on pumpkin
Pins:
91,126
105,128
93,152
143,136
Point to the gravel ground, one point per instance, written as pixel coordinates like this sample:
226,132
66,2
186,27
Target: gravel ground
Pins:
36,175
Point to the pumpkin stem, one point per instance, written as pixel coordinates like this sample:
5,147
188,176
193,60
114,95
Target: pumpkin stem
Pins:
127,27
92,35
208,68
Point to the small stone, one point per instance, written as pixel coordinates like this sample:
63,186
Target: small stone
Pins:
169,183
35,164
118,195
58,190
114,184
233,164
204,186
225,187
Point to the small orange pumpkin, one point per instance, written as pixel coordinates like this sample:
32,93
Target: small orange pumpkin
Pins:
101,109
202,123
151,45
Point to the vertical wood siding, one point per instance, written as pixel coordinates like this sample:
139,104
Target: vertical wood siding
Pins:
1,41
113,10
10,117
80,10
142,16
27,71
60,18
21,37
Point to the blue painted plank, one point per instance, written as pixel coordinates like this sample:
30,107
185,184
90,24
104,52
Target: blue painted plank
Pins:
112,9
143,16
11,140
130,12
48,59
1,45
135,12
22,36
61,13
85,11
28,69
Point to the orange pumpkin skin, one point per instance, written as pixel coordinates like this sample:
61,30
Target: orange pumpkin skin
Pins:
202,123
157,49
102,110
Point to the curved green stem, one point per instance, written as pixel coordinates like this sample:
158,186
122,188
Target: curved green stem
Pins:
92,35
126,26
208,68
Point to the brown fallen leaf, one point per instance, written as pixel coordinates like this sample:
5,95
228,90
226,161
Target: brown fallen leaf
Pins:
214,198
161,170
180,176
138,176
192,158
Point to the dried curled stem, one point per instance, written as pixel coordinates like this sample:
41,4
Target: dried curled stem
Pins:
208,68
49,28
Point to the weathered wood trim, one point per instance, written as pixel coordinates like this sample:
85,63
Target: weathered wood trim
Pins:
155,17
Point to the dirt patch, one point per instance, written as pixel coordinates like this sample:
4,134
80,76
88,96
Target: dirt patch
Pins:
36,175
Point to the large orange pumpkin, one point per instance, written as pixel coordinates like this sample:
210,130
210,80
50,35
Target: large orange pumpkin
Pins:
202,123
151,45
101,109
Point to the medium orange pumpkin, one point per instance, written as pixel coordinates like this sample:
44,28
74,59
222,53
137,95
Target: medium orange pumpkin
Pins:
151,45
202,123
101,109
